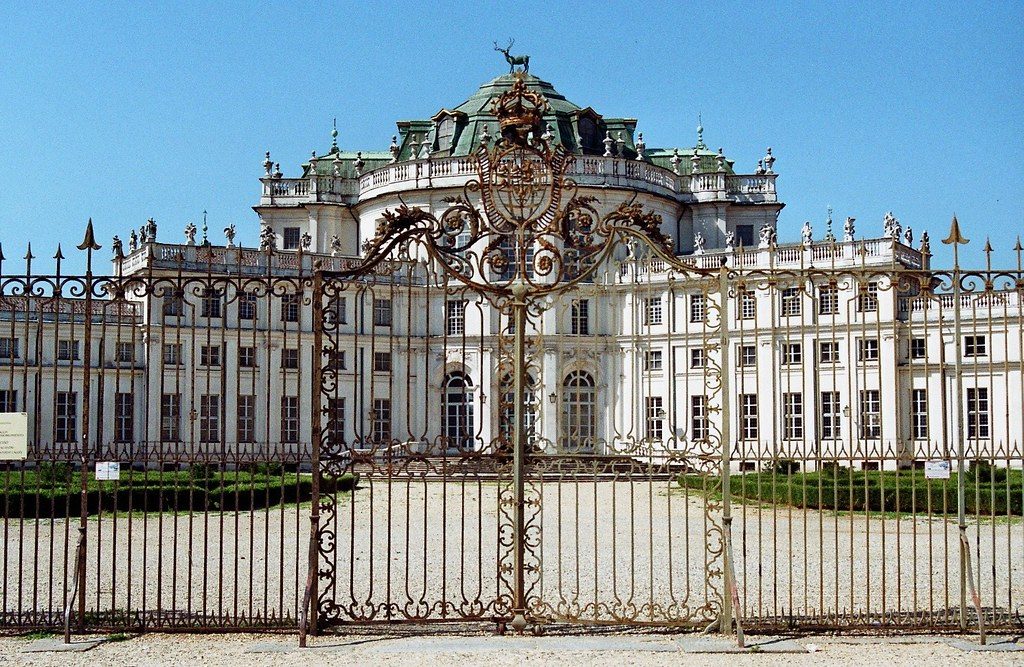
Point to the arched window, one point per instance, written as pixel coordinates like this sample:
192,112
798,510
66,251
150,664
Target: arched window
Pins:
578,412
457,411
508,408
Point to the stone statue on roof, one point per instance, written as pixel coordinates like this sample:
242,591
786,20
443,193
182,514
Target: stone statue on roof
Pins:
766,236
891,228
229,233
908,236
335,245
848,230
807,233
267,237
190,234
133,241
698,244
117,247
730,240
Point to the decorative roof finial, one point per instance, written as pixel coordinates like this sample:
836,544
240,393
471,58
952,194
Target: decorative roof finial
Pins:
700,132
829,236
608,143
359,164
769,160
334,136
640,146
268,166
675,160
206,240
720,160
394,148
485,136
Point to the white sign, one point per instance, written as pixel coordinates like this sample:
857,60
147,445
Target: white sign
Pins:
936,469
109,470
13,436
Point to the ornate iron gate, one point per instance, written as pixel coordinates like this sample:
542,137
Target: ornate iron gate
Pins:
502,476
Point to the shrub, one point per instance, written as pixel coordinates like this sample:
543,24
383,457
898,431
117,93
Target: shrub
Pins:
54,473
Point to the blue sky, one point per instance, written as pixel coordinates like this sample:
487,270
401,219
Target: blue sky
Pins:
128,111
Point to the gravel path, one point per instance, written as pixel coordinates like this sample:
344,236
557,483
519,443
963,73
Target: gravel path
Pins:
598,550
227,650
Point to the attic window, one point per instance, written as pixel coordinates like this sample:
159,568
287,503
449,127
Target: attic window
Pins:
445,133
589,139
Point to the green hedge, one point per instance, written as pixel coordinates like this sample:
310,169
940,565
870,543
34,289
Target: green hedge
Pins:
41,493
989,490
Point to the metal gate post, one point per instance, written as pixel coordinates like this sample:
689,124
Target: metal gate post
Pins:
519,457
730,596
957,239
308,613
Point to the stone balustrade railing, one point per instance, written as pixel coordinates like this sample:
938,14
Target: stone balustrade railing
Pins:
220,259
794,256
455,171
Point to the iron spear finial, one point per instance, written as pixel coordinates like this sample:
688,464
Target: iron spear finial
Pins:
955,237
89,242
58,255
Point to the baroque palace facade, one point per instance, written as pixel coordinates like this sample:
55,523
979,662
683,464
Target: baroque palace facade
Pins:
816,368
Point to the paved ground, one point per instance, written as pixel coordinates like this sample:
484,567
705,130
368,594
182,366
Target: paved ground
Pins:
617,650
599,550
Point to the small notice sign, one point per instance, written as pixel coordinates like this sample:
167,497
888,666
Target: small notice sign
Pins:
13,436
108,470
936,469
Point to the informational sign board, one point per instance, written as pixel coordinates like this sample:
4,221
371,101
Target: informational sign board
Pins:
936,469
13,436
108,470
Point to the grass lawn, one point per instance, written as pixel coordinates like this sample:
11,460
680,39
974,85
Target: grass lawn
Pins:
990,491
54,490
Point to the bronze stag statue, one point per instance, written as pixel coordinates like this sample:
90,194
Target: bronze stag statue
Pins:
513,60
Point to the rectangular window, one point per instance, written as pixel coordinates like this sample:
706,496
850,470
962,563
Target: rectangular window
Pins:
65,425
382,362
745,235
746,356
698,308
174,303
791,302
793,416
455,317
290,307
867,298
67,350
828,300
828,352
381,428
124,352
8,400
9,348
209,355
698,357
212,303
975,346
336,420
919,414
792,354
699,418
747,305
209,418
977,413
867,349
339,305
580,317
655,419
289,419
831,424
652,360
172,354
748,417
247,357
124,417
652,311
870,414
246,306
246,418
170,417
290,358
336,360
292,238
382,312
918,348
